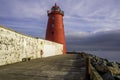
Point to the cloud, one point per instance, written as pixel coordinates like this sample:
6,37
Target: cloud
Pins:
105,40
87,23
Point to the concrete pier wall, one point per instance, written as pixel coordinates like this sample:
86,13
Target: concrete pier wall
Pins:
14,47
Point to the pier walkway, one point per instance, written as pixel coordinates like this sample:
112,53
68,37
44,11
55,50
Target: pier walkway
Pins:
62,67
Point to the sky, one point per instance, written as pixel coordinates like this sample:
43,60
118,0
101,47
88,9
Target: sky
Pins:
89,24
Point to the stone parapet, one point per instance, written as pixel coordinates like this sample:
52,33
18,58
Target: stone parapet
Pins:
15,46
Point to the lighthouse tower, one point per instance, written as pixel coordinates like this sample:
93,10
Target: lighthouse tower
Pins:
55,26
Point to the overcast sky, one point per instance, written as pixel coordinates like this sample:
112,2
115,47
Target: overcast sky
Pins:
89,24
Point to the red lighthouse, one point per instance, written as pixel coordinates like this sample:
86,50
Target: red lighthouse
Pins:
55,26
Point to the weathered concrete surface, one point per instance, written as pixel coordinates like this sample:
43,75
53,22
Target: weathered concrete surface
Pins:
62,67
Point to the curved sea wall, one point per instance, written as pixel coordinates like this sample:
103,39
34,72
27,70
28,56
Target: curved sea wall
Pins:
15,47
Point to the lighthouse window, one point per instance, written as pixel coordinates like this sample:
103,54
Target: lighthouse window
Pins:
52,33
52,25
53,17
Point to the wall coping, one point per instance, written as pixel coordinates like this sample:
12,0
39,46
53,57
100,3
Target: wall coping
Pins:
1,26
17,32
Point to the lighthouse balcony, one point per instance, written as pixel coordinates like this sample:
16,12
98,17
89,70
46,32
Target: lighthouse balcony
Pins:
55,11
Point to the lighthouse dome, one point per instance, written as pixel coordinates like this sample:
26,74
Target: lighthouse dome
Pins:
56,9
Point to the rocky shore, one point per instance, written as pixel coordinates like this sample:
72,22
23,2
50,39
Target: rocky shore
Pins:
107,70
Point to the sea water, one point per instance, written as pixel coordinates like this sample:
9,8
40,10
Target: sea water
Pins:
113,56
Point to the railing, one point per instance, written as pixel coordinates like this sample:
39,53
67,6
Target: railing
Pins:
58,11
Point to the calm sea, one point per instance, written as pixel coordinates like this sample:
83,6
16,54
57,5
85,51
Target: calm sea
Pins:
110,55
